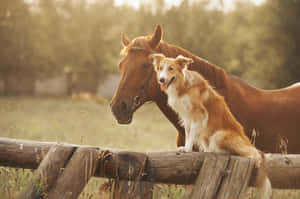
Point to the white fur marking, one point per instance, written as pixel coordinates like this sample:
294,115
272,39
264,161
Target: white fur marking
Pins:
164,74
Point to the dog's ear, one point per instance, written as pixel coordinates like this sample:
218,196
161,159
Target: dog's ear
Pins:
156,57
183,61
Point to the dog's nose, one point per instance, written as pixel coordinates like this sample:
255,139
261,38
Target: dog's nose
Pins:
162,80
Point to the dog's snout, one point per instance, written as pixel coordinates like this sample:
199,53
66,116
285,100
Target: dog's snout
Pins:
162,80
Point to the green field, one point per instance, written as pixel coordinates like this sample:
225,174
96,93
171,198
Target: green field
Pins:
85,122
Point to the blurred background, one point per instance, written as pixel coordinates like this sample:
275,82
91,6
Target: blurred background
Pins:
57,47
59,68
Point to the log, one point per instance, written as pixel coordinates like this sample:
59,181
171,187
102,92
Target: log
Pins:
46,174
162,167
78,171
22,153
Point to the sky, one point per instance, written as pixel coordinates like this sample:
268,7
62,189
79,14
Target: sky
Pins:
228,4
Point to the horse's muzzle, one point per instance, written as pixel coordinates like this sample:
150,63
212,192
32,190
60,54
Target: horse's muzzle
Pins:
122,111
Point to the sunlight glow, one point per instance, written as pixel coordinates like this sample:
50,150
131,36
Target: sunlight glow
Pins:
228,4
136,3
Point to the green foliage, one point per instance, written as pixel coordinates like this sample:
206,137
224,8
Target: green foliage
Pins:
12,181
162,191
15,37
258,43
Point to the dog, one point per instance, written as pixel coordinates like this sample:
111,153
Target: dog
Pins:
209,124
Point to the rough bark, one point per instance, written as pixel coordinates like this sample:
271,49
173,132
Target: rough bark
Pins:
161,167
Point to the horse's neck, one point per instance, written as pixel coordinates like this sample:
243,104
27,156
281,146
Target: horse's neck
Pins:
162,103
215,75
235,91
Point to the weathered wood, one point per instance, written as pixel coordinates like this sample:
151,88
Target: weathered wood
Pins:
78,171
210,176
236,178
283,171
22,153
162,167
47,173
134,188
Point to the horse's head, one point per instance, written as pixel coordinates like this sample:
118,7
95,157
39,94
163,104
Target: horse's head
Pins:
138,79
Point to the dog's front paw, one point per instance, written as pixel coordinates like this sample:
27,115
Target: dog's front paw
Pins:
258,162
182,149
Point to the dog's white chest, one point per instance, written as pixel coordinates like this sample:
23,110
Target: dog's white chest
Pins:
182,105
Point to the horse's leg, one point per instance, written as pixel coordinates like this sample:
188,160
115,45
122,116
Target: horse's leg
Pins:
180,139
162,104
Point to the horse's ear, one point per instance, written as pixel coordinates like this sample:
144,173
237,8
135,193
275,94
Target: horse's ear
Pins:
183,61
156,37
125,40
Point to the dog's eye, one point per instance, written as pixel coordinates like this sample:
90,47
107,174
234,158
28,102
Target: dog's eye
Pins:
171,68
160,68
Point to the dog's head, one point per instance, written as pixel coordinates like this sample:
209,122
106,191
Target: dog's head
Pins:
169,70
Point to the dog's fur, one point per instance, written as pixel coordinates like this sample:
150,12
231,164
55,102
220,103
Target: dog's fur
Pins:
209,124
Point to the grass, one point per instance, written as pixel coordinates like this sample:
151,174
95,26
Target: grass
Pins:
82,122
78,122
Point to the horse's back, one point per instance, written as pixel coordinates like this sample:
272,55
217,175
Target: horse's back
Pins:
280,113
297,85
274,114
291,92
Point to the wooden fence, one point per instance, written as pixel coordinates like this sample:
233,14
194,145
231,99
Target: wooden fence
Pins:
62,170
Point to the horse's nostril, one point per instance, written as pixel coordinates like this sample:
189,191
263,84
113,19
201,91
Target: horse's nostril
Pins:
123,106
136,99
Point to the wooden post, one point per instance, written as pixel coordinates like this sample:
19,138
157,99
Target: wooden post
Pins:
210,177
77,173
237,178
135,188
47,173
223,177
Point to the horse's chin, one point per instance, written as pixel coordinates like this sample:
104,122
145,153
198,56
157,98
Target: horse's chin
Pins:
124,120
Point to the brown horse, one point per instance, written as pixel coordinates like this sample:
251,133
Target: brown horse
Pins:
274,114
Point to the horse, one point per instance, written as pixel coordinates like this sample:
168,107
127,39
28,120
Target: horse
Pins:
274,115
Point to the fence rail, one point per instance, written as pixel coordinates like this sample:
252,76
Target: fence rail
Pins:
157,167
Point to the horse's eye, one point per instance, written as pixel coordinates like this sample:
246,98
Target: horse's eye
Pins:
171,68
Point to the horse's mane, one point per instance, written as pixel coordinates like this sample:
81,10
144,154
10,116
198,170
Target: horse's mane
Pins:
214,74
141,42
